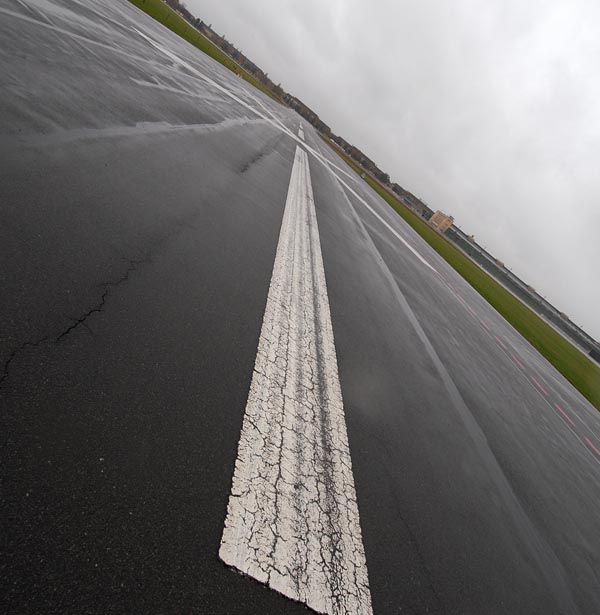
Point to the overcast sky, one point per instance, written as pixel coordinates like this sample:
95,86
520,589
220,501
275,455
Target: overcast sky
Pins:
488,110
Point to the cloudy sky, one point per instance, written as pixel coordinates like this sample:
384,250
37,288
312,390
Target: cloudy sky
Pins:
488,110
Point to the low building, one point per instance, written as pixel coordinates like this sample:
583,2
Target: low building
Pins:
441,221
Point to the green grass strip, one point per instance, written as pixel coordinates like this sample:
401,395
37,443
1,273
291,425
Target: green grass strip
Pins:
568,360
175,22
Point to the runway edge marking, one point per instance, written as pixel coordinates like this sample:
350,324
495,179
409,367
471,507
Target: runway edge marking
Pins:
292,520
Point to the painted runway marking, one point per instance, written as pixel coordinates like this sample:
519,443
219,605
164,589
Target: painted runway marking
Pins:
499,340
385,223
582,418
592,446
560,409
330,166
517,361
292,520
301,132
539,386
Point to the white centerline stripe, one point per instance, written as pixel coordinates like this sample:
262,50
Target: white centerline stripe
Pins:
301,132
292,520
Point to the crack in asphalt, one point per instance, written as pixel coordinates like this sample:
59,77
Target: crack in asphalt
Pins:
154,243
75,322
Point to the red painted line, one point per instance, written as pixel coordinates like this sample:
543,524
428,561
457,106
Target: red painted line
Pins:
517,361
484,324
500,342
565,415
539,386
591,445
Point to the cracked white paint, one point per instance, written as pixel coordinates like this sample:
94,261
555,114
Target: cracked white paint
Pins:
292,520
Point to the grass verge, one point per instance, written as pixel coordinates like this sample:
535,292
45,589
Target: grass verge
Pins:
568,360
176,23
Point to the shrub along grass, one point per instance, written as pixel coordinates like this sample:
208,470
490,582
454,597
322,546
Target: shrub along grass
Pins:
175,22
569,360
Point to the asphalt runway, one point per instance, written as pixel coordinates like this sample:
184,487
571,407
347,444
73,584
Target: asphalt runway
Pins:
142,193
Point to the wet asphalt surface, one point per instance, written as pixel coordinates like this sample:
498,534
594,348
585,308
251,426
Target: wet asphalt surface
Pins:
141,194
